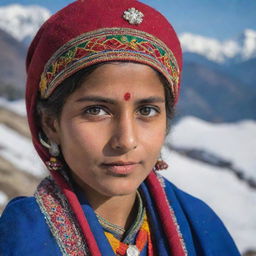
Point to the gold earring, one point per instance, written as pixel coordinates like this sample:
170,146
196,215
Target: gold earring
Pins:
54,164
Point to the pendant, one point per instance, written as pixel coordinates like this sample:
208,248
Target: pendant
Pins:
132,251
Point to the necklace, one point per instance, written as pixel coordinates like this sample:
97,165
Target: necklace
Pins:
119,231
143,238
126,236
132,241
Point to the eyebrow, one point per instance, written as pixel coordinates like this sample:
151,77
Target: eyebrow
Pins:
96,99
152,99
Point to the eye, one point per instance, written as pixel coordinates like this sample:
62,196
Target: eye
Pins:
148,111
95,111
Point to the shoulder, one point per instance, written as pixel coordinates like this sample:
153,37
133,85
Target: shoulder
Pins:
19,204
207,228
20,211
23,229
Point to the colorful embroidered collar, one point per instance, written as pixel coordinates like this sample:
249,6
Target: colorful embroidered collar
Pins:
63,224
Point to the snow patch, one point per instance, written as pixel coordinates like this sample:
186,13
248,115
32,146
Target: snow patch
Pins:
20,152
3,198
234,142
233,201
17,106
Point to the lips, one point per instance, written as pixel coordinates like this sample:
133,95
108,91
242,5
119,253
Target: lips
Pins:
119,163
120,168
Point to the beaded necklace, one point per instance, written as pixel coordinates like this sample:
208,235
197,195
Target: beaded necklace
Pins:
133,241
143,238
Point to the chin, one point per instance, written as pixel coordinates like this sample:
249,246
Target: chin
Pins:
121,189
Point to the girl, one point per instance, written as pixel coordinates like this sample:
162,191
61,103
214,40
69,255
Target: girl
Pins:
103,79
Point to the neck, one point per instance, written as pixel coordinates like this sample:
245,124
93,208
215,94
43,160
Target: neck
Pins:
118,210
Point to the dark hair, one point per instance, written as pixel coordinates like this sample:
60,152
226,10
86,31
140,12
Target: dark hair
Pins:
54,104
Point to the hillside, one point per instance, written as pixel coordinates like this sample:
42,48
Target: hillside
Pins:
12,63
211,93
16,179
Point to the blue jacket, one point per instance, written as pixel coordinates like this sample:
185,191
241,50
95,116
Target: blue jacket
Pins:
24,231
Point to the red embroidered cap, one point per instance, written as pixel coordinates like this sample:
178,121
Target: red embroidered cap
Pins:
87,32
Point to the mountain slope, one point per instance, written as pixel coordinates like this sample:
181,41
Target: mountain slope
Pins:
245,71
214,95
22,22
12,61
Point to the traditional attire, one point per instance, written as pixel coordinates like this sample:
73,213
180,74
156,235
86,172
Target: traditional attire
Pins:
46,225
58,220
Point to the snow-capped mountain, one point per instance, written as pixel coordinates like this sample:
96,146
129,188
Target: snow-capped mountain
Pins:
22,22
240,49
248,43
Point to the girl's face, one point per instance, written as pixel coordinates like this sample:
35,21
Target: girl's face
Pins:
112,128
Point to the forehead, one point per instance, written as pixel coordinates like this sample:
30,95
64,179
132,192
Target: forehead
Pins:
122,79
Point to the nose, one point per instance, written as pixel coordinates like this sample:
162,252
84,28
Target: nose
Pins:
124,137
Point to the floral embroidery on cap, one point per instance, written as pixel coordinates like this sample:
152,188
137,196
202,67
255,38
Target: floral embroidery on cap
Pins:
107,44
133,16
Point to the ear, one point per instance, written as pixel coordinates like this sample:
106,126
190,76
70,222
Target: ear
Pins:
51,127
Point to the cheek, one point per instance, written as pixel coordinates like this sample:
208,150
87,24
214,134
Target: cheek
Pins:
153,140
80,139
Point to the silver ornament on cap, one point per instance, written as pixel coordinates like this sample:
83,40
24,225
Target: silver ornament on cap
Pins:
133,16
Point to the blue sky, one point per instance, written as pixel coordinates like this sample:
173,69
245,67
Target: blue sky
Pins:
221,19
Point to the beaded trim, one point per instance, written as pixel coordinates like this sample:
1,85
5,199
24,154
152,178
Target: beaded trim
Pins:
126,236
60,219
133,230
162,183
109,227
109,44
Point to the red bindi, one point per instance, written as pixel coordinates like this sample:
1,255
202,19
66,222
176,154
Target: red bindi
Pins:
127,96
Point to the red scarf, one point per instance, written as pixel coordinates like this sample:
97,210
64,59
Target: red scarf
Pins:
167,217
